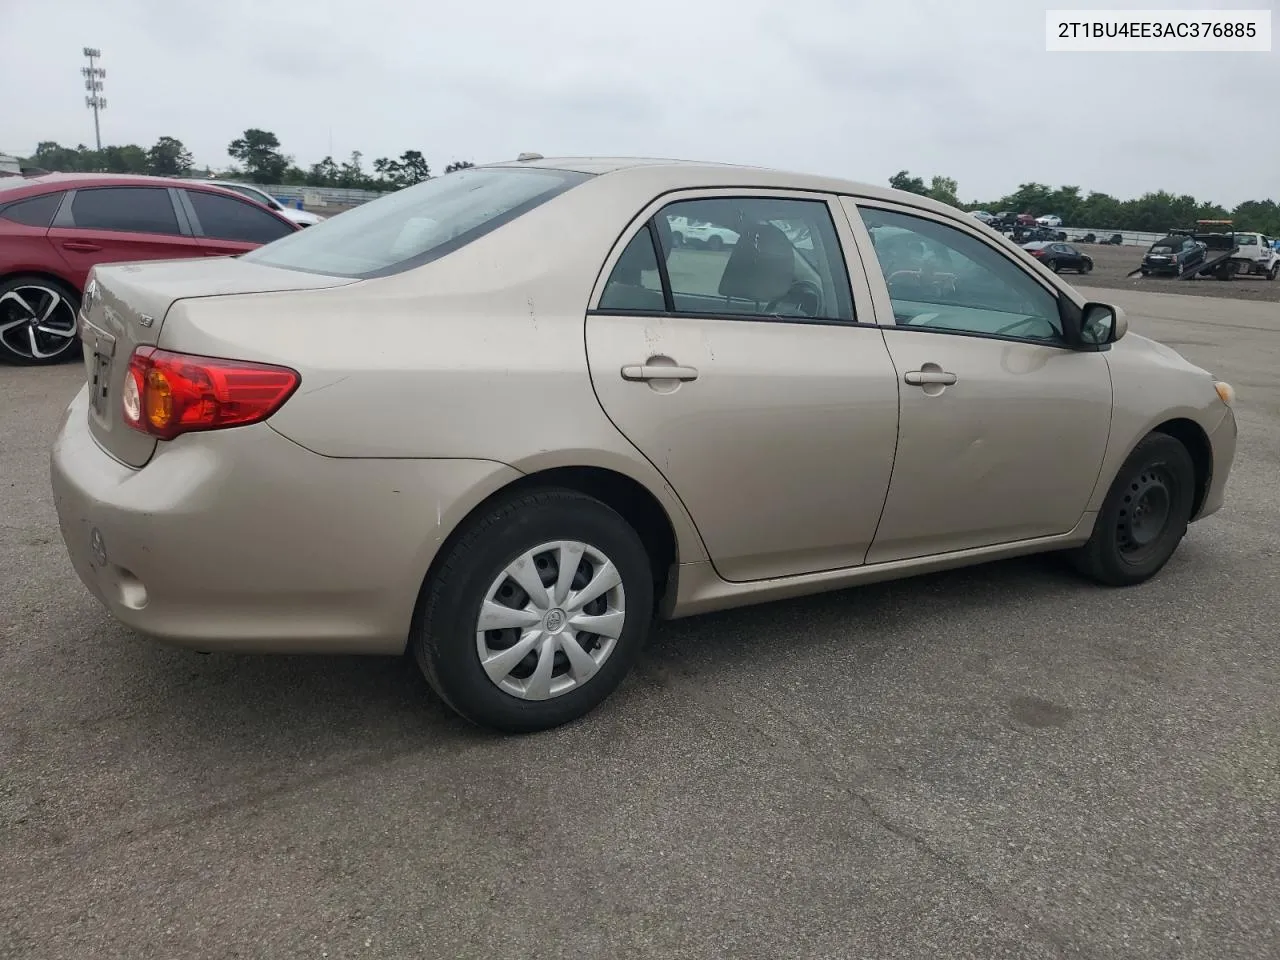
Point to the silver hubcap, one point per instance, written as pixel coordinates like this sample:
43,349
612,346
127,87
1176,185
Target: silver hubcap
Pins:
550,620
36,322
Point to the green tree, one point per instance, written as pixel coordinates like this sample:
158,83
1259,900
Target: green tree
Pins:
1260,215
458,165
323,174
129,158
943,189
903,180
350,174
169,158
259,151
410,168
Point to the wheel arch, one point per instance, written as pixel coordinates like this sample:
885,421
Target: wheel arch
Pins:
1192,436
626,495
40,274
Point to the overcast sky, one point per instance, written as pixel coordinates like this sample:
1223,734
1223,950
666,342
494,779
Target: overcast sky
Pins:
854,88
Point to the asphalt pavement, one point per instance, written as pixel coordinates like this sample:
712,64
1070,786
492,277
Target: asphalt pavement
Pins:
996,762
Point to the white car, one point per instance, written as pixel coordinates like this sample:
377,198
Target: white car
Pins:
983,215
304,218
1049,220
687,229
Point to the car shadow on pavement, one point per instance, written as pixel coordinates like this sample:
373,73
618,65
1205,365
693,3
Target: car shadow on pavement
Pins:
284,703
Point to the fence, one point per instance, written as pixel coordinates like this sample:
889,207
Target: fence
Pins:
1131,238
321,196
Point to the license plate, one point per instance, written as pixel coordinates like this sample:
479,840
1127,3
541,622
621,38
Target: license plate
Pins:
103,349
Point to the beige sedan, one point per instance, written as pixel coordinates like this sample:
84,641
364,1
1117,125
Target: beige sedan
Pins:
502,420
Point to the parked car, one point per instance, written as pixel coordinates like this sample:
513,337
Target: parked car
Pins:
54,229
983,215
1049,220
303,218
1172,255
1059,256
686,230
433,423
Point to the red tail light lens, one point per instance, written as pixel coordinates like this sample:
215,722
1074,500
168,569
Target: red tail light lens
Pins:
167,394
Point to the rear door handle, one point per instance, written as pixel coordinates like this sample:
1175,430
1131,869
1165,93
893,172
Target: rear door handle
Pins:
81,246
918,378
658,371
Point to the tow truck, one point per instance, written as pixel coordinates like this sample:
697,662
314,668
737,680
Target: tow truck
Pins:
1230,253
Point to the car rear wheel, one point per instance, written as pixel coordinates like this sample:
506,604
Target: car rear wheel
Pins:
1052,265
1274,271
1144,516
38,322
537,612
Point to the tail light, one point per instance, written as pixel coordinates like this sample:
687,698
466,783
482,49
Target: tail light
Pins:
167,394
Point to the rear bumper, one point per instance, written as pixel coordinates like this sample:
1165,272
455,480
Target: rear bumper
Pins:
241,540
1223,443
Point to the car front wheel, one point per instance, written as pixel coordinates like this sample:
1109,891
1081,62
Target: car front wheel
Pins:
537,612
1144,516
38,322
1086,266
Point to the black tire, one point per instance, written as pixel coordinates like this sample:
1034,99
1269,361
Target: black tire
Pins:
1052,265
1086,265
1119,553
1274,271
677,239
715,243
443,636
35,291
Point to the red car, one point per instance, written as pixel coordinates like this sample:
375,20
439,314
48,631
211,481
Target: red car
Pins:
55,227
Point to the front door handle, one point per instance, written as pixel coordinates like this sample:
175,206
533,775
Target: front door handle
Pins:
919,378
658,371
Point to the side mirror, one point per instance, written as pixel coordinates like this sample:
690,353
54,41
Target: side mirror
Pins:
1102,323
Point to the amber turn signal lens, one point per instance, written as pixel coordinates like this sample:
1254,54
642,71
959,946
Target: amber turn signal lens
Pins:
1226,392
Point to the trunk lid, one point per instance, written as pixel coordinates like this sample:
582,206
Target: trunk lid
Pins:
124,306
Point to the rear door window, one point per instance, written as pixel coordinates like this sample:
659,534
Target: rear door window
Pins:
34,211
757,257
129,209
229,218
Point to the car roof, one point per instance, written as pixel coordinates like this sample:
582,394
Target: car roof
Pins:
69,181
673,174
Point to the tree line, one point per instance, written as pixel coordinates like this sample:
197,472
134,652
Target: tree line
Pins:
259,157
1151,212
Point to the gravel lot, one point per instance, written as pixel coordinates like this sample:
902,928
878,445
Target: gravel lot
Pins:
1111,266
997,762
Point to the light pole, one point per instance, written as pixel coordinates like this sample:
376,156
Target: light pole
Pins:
93,77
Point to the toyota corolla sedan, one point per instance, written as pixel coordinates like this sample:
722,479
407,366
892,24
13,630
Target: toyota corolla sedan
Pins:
500,420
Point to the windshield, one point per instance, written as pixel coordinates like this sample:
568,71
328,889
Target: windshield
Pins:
416,225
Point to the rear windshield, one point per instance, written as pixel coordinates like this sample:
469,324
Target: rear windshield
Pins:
416,225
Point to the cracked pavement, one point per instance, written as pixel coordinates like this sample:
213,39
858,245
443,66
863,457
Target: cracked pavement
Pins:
995,762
